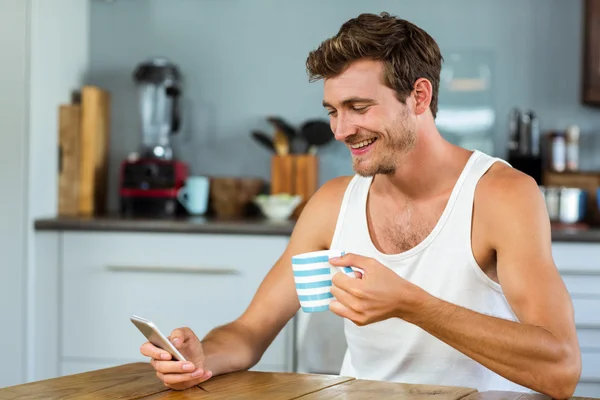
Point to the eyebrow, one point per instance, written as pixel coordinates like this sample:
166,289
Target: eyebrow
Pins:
352,100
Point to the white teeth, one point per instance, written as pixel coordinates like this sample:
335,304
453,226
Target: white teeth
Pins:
362,144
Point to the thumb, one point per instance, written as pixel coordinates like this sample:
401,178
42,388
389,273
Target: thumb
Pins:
178,336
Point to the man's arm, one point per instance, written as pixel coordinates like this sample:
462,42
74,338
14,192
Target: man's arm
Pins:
240,345
541,352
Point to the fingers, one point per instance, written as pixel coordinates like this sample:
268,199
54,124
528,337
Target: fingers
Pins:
353,260
346,299
189,379
180,336
351,285
150,350
341,310
170,367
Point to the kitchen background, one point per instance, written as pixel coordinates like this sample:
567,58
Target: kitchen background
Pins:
241,61
245,60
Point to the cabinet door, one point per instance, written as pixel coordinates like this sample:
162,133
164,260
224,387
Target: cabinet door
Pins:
591,53
199,281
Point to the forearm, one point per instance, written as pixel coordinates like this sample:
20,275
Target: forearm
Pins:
230,348
526,354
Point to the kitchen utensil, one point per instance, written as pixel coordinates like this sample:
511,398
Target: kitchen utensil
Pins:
524,134
94,150
316,132
264,140
151,177
281,143
69,132
299,145
565,205
282,170
514,119
534,134
279,124
306,178
158,85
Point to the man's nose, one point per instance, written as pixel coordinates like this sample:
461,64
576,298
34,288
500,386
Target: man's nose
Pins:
342,128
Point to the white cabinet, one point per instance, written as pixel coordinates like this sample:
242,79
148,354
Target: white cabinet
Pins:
195,280
579,266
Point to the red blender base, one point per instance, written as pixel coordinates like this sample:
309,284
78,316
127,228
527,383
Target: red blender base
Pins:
148,188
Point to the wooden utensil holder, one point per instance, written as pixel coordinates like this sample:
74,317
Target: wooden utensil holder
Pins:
295,174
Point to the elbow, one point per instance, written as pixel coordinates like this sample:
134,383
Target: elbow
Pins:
564,376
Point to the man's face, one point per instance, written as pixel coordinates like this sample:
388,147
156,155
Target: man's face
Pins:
368,117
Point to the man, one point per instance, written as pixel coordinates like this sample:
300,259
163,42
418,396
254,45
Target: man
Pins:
459,284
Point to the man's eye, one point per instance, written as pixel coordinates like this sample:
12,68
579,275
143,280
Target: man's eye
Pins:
359,109
331,112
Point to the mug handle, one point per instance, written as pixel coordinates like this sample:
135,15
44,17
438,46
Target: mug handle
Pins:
182,196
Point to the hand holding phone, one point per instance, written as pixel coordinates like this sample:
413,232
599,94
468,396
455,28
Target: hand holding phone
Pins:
155,336
174,370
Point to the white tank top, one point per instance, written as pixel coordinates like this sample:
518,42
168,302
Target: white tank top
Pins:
443,265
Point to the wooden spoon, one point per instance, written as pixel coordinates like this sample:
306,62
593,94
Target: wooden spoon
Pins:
281,143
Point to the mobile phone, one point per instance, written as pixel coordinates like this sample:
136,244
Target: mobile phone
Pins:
155,336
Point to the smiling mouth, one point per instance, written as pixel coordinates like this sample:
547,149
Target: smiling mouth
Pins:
364,143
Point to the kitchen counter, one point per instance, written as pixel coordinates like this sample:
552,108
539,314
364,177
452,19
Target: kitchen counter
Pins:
233,226
183,225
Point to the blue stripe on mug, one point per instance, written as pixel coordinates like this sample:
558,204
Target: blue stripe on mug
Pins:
311,272
310,260
315,309
348,270
312,285
311,297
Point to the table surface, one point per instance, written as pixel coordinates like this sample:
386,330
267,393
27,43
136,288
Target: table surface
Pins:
138,381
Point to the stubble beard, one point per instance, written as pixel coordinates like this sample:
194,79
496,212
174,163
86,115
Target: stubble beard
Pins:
386,161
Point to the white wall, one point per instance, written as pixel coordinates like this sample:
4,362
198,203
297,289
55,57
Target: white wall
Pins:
44,58
14,35
59,62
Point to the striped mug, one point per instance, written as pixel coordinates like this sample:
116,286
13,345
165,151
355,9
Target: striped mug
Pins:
312,276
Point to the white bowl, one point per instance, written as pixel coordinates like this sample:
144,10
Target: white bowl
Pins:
277,207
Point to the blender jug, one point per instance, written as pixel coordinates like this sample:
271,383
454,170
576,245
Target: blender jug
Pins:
158,85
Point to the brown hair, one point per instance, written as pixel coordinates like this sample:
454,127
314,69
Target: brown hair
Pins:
407,51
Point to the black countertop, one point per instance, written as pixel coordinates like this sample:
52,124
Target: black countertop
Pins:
234,226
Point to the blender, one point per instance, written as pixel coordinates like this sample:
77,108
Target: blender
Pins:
151,177
158,87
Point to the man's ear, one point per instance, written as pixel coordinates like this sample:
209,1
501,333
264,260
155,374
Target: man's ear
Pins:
422,93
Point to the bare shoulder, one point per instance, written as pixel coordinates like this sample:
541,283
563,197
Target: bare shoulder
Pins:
321,212
503,183
507,201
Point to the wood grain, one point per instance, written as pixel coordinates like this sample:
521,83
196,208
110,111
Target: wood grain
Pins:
130,381
368,389
69,131
95,142
306,177
502,395
282,170
256,385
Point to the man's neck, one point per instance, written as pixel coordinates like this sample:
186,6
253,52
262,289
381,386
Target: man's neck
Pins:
430,168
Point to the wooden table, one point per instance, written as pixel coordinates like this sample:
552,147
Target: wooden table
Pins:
138,381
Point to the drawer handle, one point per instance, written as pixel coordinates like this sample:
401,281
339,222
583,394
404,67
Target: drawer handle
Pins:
173,269
587,326
579,272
